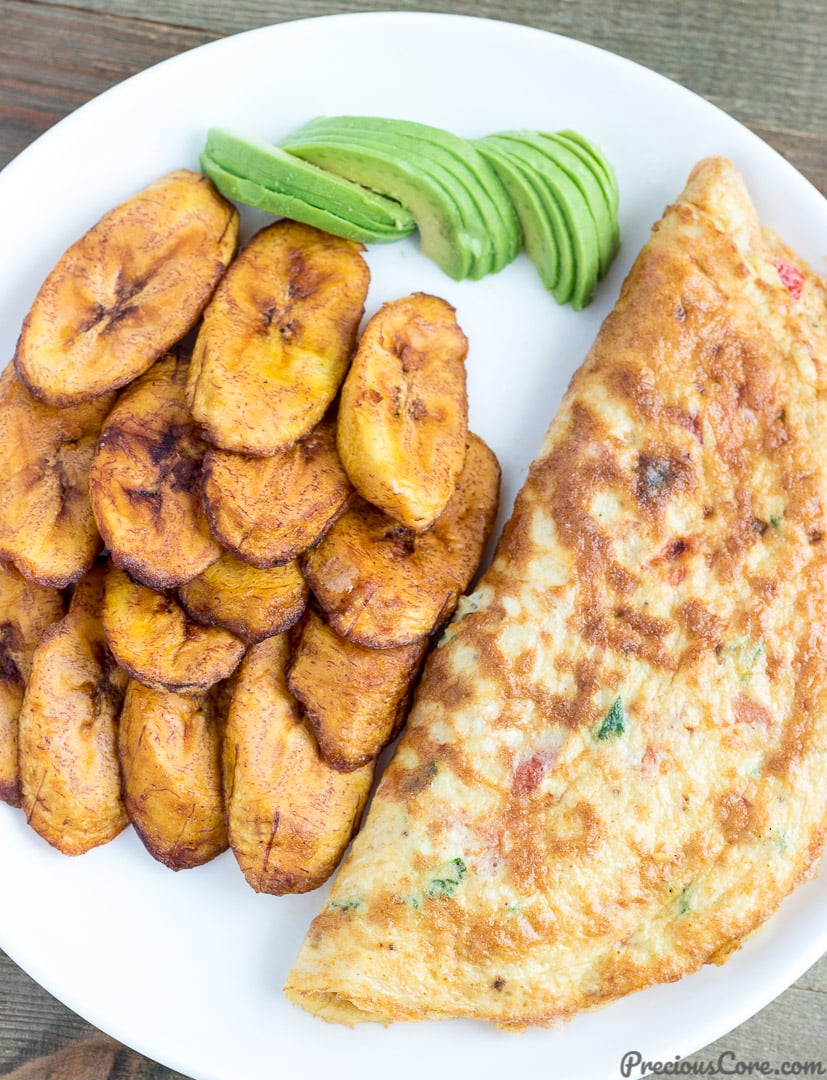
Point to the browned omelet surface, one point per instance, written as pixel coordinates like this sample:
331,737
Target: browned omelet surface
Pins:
614,769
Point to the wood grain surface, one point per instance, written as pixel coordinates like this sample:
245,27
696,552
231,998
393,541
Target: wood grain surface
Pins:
762,62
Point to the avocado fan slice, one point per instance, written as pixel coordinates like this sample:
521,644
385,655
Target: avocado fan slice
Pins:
445,235
428,161
594,180
539,239
568,281
593,196
274,202
576,215
263,163
461,158
601,165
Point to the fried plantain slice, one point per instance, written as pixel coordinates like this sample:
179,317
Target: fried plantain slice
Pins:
47,528
403,416
169,745
69,772
277,337
382,585
145,481
155,642
127,290
252,603
290,815
355,697
269,510
26,610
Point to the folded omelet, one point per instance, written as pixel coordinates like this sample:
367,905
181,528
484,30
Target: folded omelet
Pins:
614,769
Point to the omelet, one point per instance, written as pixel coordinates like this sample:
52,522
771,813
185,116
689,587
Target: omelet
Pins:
614,768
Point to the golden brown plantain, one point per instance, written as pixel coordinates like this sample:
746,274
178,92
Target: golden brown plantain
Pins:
269,510
252,603
355,697
155,642
169,745
277,338
127,290
47,528
145,481
290,815
26,610
403,416
69,772
382,585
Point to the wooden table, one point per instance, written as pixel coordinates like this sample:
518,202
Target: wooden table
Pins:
763,62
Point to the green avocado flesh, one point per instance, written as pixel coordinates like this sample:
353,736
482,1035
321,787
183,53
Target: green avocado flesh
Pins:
579,200
475,202
553,221
539,239
599,164
562,196
591,191
274,202
265,164
458,156
450,230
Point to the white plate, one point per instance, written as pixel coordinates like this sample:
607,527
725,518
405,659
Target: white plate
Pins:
188,967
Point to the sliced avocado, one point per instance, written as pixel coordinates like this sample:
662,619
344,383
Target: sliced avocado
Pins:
254,159
451,233
477,213
582,176
429,159
566,287
420,161
275,202
538,237
603,167
577,218
461,158
605,182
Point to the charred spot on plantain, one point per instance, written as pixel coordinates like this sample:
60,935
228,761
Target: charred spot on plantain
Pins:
67,489
125,293
96,316
116,315
401,539
166,446
10,642
417,410
108,690
498,983
411,359
186,472
143,495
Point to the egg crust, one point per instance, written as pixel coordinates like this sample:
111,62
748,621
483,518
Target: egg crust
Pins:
613,771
